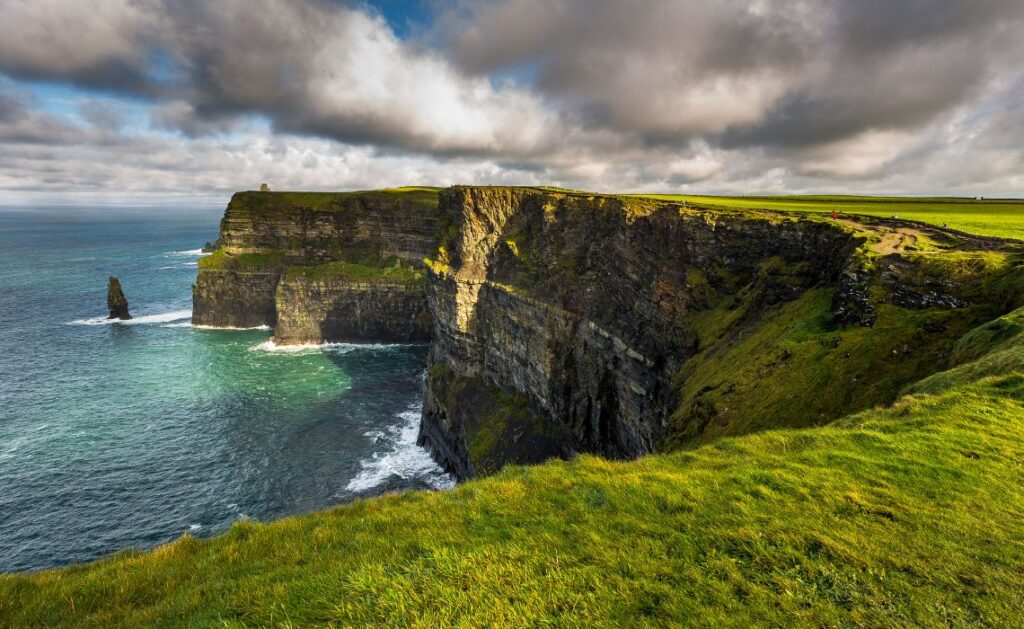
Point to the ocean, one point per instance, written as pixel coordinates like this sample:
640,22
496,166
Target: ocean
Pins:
128,435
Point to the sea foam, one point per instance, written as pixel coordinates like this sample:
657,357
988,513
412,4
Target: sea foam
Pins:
164,317
403,458
335,348
187,252
230,327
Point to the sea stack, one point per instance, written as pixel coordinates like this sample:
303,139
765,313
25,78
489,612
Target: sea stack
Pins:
116,302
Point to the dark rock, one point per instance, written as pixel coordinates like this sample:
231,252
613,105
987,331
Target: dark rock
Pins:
116,302
210,247
360,227
850,303
586,316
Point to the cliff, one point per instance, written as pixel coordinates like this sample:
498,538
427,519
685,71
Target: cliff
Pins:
322,266
564,322
568,322
899,515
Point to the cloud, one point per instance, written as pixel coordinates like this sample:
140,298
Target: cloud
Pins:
309,67
97,43
728,96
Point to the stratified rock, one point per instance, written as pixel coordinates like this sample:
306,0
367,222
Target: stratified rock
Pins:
116,302
263,234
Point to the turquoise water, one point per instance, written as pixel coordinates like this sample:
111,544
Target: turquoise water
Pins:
128,435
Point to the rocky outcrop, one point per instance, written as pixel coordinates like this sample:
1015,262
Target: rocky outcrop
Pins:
581,314
312,228
579,304
565,322
312,309
236,297
268,240
116,302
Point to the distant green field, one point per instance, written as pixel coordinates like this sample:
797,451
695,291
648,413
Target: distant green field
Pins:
990,217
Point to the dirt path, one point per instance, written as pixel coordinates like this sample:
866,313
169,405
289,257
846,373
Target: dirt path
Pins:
891,239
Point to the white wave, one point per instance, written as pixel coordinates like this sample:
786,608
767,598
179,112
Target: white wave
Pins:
404,459
334,348
188,252
191,264
164,317
182,324
230,327
164,268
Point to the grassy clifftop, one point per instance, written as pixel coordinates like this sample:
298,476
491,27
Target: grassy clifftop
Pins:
909,514
280,202
987,217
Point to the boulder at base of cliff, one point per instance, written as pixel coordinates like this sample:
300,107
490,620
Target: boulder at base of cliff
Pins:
116,302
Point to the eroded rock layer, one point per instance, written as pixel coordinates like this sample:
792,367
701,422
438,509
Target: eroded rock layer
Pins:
322,266
563,321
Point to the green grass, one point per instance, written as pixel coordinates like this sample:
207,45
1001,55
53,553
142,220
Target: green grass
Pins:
221,261
909,515
791,367
395,273
273,202
997,217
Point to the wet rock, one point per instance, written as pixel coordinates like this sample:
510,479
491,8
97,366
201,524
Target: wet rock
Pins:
116,302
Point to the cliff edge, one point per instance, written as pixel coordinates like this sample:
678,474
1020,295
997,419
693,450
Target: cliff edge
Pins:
322,266
568,322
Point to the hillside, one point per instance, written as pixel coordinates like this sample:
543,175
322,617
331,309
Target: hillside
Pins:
903,515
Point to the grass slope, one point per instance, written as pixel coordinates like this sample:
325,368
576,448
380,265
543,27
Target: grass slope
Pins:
996,217
906,515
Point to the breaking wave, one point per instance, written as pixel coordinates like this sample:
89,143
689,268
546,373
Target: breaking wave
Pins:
164,317
402,460
230,327
335,348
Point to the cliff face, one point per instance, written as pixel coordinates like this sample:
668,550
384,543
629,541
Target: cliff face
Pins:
564,322
312,227
317,309
274,265
570,319
235,298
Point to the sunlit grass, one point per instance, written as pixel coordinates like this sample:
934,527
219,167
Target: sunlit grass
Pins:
988,217
899,516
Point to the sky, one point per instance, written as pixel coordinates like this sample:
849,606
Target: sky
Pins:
185,101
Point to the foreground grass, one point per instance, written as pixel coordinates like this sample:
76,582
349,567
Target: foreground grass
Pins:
909,515
1003,218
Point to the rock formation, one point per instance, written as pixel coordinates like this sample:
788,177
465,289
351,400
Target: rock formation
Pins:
320,267
565,322
116,302
569,322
